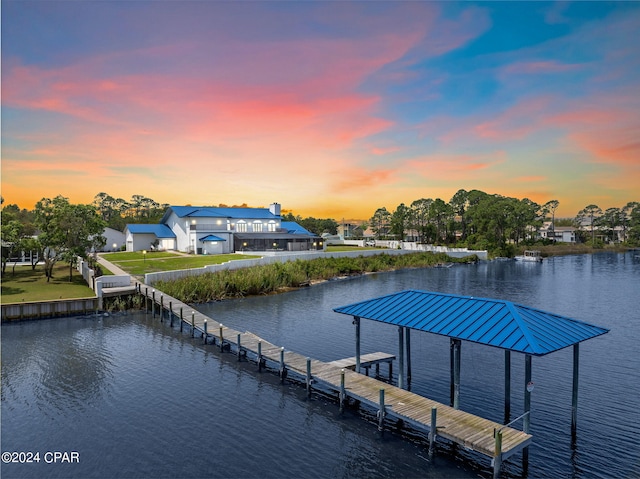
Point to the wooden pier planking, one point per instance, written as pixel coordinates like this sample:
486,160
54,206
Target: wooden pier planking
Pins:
470,431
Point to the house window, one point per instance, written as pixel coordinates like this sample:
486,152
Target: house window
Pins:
272,226
257,227
241,227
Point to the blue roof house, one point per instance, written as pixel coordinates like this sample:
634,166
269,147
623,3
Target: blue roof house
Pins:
218,230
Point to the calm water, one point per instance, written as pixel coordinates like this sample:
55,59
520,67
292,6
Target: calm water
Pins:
137,399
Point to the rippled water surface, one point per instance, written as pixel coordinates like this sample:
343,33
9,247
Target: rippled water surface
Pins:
136,398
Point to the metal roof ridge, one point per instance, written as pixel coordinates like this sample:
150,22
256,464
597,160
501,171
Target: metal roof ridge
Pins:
524,328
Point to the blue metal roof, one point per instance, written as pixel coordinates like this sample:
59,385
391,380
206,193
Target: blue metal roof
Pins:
161,231
211,212
212,238
295,229
493,322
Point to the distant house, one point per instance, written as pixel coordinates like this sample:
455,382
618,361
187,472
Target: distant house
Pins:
560,234
211,230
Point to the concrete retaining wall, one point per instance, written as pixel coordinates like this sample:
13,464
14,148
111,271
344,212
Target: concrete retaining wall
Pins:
48,309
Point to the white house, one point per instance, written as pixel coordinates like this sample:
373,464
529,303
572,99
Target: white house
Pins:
560,234
213,230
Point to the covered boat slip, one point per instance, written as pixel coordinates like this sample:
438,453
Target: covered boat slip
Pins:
492,322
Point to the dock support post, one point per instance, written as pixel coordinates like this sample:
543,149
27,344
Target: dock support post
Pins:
434,431
259,356
407,341
153,303
497,454
507,386
205,332
171,314
239,348
221,339
574,393
381,412
356,321
526,421
342,391
455,373
401,357
308,377
193,324
161,307
146,299
283,371
181,318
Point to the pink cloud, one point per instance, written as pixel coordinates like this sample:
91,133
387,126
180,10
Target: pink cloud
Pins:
448,166
608,128
354,177
516,122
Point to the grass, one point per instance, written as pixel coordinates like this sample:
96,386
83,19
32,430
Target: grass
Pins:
31,285
136,264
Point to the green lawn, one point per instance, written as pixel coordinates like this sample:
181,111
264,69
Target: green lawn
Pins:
28,285
137,264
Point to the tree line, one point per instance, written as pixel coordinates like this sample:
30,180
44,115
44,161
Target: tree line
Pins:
497,223
58,230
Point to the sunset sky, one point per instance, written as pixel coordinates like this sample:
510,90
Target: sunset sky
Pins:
332,109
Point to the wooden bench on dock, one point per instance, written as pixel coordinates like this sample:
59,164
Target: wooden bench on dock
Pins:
366,361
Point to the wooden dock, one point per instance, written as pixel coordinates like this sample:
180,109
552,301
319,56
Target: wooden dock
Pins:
488,438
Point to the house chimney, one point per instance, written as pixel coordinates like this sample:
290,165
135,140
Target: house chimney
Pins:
274,209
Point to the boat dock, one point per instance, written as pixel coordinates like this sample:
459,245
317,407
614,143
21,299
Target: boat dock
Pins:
493,440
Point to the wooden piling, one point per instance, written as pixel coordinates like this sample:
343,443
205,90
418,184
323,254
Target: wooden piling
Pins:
356,320
308,377
456,343
433,431
221,339
259,356
407,345
171,314
341,398
507,386
193,324
401,357
204,336
283,370
181,318
239,348
497,458
526,422
574,392
153,303
161,307
381,412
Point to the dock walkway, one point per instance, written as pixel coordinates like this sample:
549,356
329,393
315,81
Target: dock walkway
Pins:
489,438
